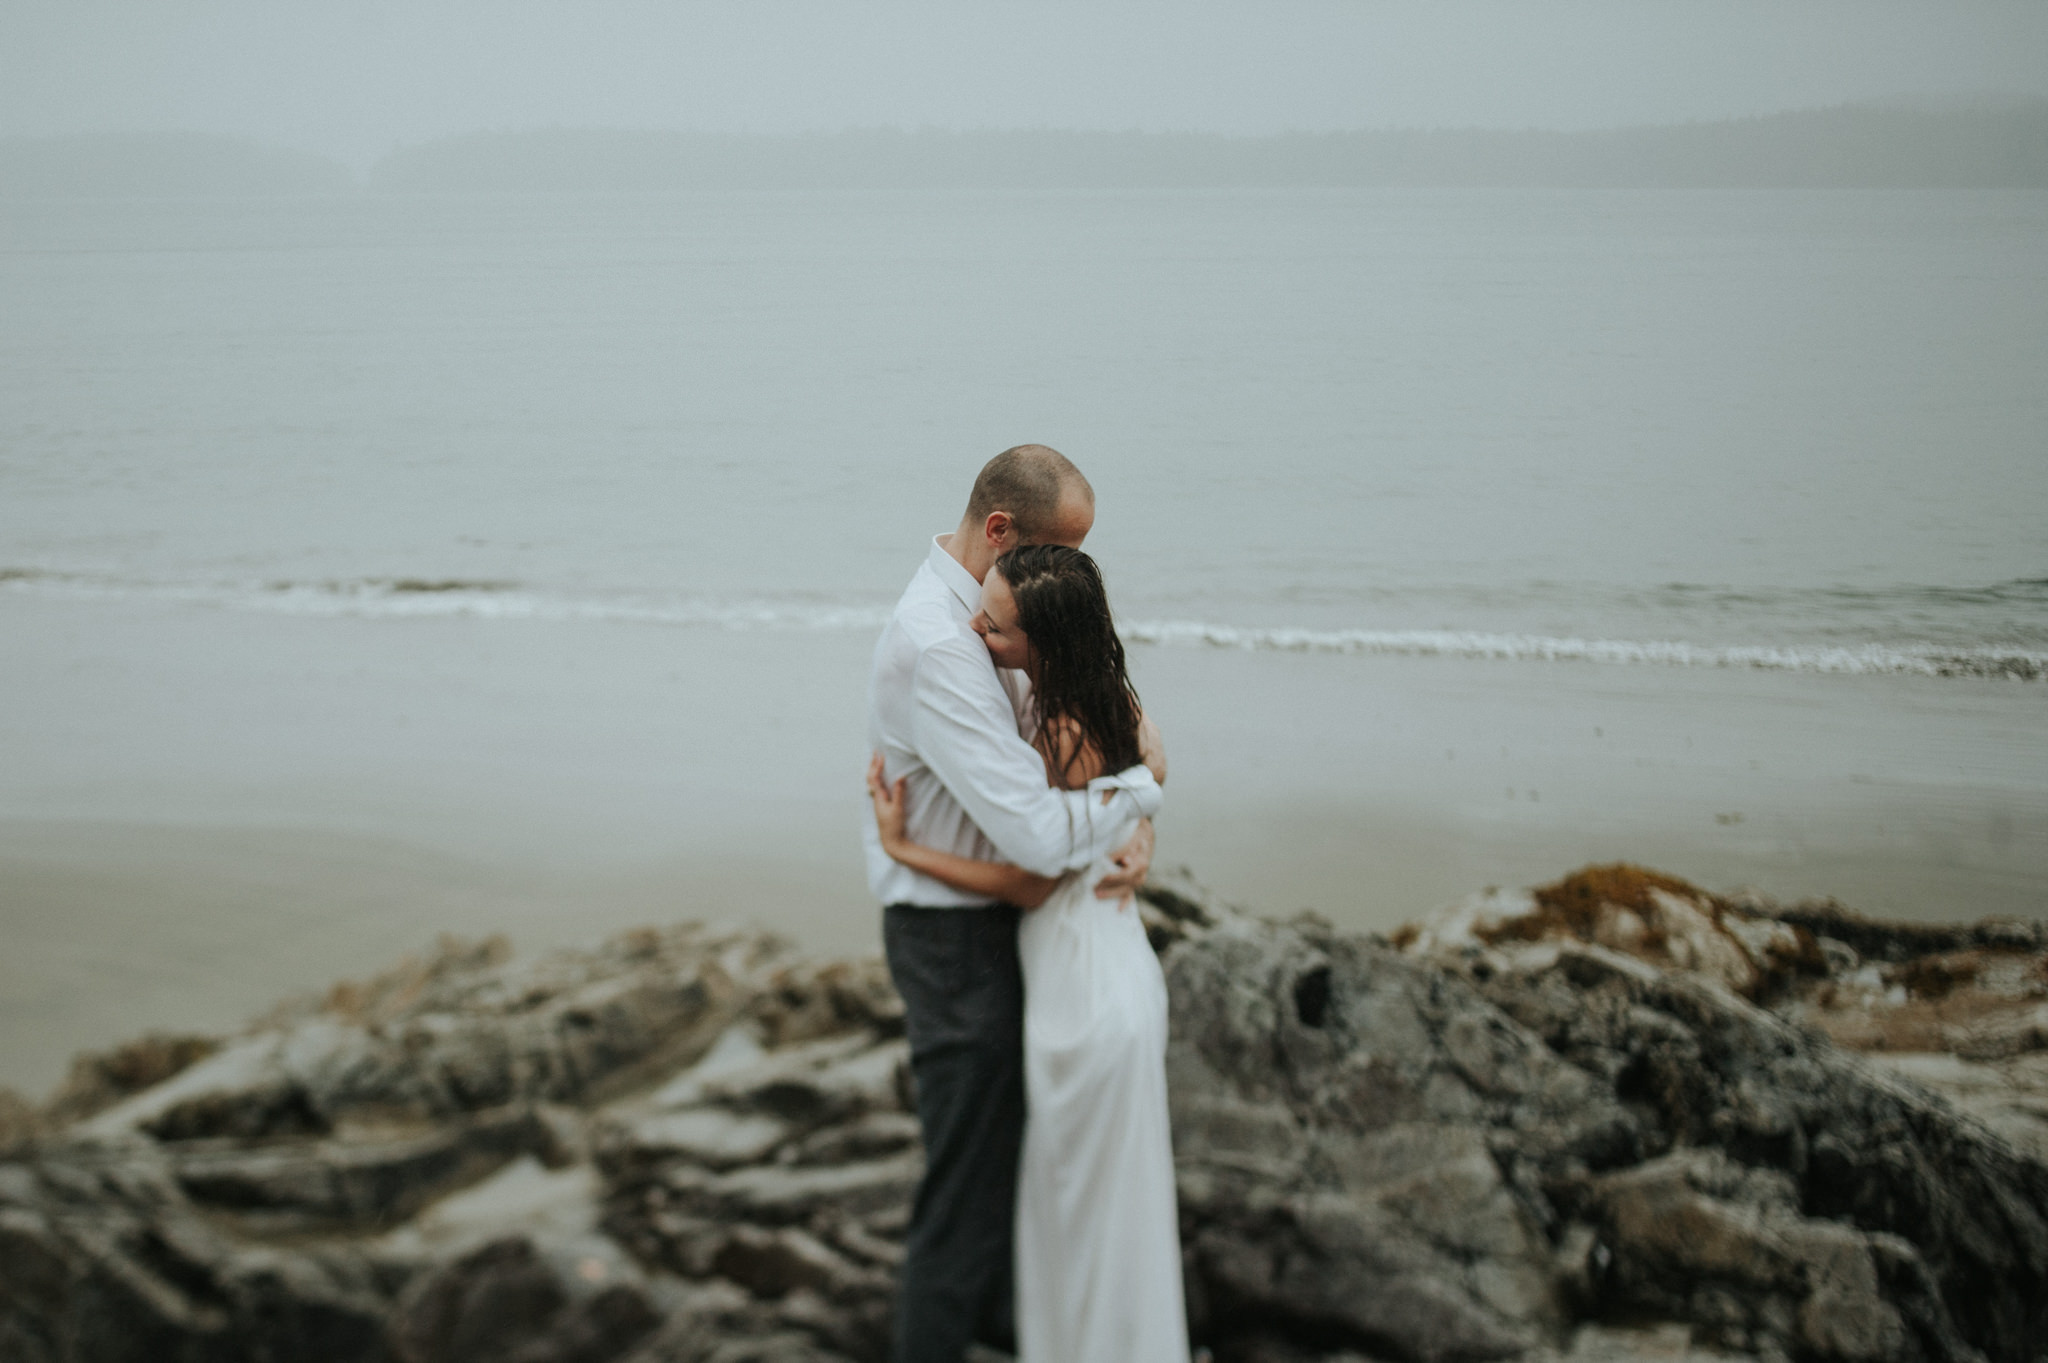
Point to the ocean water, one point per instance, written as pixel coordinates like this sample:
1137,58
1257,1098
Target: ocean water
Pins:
1460,536
1773,428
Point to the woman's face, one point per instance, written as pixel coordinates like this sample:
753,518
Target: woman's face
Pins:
997,624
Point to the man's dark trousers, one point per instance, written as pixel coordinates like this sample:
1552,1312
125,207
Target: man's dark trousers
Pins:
963,996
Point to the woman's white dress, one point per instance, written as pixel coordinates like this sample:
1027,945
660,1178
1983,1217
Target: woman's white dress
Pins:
1098,1235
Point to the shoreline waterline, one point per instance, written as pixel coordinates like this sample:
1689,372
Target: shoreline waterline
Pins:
117,929
206,809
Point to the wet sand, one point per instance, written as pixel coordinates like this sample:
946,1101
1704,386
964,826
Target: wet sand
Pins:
116,929
201,811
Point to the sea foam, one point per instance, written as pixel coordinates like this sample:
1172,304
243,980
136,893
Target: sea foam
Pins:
415,598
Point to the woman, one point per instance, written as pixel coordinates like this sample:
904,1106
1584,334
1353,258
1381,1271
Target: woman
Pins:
1098,1245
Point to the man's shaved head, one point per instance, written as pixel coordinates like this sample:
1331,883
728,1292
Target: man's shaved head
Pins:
1030,482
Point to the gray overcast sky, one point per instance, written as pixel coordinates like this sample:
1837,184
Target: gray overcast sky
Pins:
356,77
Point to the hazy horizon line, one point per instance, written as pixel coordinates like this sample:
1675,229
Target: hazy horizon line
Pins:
1990,140
1937,105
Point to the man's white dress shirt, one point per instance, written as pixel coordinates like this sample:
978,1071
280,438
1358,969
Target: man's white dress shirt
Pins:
941,714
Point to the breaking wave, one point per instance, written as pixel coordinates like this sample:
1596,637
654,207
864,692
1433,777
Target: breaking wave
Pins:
1913,659
408,597
414,598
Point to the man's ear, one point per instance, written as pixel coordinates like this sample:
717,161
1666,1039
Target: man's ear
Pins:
1000,530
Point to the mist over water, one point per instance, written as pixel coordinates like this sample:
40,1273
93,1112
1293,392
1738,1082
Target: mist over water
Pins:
355,78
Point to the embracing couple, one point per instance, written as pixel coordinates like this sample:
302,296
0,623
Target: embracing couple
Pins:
1013,783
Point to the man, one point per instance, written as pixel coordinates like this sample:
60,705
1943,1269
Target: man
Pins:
946,719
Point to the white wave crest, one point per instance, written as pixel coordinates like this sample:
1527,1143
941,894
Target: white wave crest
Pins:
1913,659
407,598
421,598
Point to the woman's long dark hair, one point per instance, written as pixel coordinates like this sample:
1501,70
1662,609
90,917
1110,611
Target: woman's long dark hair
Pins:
1064,613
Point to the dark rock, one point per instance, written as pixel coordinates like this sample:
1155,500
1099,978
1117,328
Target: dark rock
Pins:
778,1195
711,1137
774,1263
99,1079
806,1001
1336,1167
464,1033
1686,1229
19,1121
1326,1095
720,1323
866,1247
100,1259
816,1085
354,1183
865,1138
505,1303
1858,1148
739,1108
1617,1131
1878,940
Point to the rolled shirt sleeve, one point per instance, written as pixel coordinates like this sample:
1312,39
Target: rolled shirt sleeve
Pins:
966,733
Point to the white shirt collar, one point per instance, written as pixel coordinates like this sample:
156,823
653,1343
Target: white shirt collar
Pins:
954,575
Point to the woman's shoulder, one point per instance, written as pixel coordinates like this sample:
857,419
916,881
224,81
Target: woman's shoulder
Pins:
1071,760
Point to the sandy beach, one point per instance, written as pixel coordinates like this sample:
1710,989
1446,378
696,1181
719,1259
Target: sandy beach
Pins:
203,810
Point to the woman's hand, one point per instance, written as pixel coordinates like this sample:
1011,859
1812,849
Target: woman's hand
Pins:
990,879
1151,747
888,801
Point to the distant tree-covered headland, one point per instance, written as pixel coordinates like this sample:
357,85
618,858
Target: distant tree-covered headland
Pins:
1990,146
1875,147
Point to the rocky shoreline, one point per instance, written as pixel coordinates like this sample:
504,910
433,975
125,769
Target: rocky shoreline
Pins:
1615,1117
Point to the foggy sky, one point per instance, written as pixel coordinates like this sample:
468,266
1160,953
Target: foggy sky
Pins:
358,78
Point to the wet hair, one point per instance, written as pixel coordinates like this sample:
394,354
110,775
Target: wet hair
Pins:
1064,613
1026,481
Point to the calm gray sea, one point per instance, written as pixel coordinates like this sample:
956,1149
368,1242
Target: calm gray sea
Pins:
1811,423
1462,536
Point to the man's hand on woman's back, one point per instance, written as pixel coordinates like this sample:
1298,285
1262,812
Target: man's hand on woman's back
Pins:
1133,864
1134,861
1151,748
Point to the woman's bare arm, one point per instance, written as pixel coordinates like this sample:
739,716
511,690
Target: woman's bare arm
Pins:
1071,761
1011,884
